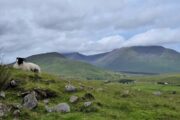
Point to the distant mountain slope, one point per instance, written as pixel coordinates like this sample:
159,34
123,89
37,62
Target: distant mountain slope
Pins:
85,58
76,56
58,64
146,59
151,59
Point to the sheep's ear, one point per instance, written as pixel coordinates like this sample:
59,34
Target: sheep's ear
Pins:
17,59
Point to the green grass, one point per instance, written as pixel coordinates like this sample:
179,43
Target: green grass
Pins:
5,76
140,104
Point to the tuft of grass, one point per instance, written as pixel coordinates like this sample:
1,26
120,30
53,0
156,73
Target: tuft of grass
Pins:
5,76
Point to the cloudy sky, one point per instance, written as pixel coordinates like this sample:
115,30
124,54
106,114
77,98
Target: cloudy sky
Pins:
88,26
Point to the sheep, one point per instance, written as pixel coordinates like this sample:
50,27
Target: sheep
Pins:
26,66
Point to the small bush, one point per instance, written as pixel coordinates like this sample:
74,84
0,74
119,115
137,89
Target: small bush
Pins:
5,76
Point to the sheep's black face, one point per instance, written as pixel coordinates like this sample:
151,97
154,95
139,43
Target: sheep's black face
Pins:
20,60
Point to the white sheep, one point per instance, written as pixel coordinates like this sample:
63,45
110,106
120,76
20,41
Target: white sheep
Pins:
26,66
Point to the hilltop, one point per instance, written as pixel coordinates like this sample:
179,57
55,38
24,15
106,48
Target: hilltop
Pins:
85,58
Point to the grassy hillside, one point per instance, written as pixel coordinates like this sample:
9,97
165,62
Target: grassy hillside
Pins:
56,63
112,101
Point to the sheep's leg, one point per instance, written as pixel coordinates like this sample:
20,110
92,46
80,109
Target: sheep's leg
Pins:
36,74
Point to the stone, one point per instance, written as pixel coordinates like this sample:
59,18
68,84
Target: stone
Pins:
107,81
3,110
62,107
99,89
81,87
2,94
125,93
70,88
73,99
30,101
13,83
87,104
46,101
88,107
49,109
16,113
157,93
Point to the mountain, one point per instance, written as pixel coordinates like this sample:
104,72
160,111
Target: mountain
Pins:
76,56
58,64
143,59
85,58
150,59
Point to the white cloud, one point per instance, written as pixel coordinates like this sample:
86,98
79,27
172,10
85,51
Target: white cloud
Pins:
164,36
103,45
161,36
89,26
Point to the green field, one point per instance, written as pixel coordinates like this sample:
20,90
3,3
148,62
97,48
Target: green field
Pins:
111,100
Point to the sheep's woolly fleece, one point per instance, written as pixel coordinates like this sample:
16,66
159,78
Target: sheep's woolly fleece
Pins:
27,66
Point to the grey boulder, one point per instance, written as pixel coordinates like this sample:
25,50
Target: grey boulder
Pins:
73,99
87,104
30,101
70,88
2,94
62,107
157,93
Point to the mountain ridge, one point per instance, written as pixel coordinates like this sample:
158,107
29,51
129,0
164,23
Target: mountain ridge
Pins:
150,59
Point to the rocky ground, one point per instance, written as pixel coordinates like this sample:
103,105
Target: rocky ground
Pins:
47,97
